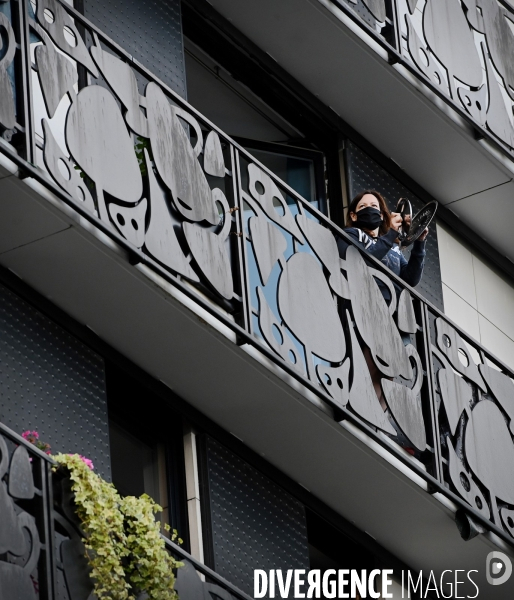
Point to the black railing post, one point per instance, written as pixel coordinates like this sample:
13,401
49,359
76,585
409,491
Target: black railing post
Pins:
242,250
24,95
48,570
395,17
434,419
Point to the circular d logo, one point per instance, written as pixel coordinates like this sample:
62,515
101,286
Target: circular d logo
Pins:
498,568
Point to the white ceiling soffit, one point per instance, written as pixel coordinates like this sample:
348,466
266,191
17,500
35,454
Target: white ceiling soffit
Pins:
490,214
397,115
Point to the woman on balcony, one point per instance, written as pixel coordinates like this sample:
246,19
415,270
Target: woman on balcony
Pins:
375,229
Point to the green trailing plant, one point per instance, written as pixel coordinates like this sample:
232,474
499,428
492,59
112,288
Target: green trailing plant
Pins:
81,172
149,566
90,184
140,146
125,549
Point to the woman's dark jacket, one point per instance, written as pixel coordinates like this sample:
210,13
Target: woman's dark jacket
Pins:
387,251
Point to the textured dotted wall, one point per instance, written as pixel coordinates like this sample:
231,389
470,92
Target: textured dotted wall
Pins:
255,523
150,30
51,382
364,173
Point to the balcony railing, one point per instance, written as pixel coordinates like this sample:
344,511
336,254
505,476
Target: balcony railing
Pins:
460,51
181,197
43,555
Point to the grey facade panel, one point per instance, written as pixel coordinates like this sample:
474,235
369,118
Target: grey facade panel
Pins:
255,523
52,383
364,173
150,30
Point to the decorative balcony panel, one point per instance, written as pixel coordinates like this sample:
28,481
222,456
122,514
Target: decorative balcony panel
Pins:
25,568
294,275
143,167
10,55
462,50
378,15
149,169
475,399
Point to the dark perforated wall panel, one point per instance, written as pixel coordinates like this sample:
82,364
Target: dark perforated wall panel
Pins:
51,382
255,523
364,173
151,30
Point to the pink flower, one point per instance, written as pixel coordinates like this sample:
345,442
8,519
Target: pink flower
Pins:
87,461
30,436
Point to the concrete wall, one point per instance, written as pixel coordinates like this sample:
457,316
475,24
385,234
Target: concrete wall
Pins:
477,296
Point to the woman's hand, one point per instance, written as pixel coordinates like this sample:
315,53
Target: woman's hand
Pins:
396,221
423,236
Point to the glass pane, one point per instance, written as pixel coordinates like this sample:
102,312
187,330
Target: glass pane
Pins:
297,172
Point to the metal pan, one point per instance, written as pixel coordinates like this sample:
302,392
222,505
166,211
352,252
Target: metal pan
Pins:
419,223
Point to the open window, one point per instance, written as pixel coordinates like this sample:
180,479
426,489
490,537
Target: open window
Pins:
301,168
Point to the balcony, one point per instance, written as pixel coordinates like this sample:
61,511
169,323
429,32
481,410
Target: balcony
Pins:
471,77
42,540
145,222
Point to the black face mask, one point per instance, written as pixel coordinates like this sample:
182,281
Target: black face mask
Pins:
368,218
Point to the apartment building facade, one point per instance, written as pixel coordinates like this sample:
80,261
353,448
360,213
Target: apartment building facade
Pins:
174,182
